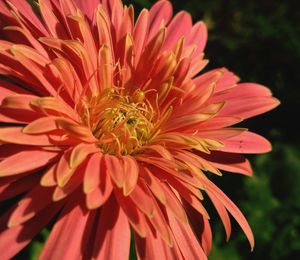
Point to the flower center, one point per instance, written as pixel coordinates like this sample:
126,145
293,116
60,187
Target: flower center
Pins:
121,123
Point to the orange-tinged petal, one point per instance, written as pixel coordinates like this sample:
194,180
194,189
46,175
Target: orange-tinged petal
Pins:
78,131
131,174
53,104
49,178
115,169
80,153
63,170
16,135
105,67
93,172
74,182
140,33
18,101
41,125
99,195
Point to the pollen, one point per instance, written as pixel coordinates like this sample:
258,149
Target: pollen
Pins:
122,123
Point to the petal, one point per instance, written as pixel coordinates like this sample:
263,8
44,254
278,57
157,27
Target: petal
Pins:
229,162
222,213
232,208
180,25
198,36
25,161
140,33
33,202
80,153
115,169
88,7
113,233
93,171
67,239
16,135
41,125
154,184
249,106
135,216
14,188
246,142
20,236
143,199
186,240
160,14
131,174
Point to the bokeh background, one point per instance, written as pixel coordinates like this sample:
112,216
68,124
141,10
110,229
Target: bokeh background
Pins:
260,41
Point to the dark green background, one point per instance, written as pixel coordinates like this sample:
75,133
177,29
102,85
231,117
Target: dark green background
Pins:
260,41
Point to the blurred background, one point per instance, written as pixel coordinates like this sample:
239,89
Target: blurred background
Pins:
260,41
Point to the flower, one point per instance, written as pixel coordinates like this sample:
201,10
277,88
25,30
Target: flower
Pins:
107,129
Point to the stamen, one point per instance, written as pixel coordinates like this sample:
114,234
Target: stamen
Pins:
121,123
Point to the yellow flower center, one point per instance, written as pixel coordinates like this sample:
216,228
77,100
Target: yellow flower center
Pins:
121,123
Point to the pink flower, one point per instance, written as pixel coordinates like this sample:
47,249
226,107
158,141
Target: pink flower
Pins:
108,129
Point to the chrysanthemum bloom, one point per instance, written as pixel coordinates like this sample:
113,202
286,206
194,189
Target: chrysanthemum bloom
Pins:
107,131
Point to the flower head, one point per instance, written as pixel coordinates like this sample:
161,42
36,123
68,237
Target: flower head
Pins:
108,128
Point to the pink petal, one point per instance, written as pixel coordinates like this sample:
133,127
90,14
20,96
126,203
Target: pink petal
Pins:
198,36
15,135
9,89
115,169
222,213
69,236
232,208
186,240
180,25
74,182
154,185
174,205
229,162
93,171
26,11
14,239
143,199
99,195
153,247
63,170
135,216
113,233
19,186
25,161
131,174
80,153
140,33
160,14
246,142
249,106
88,7
33,202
